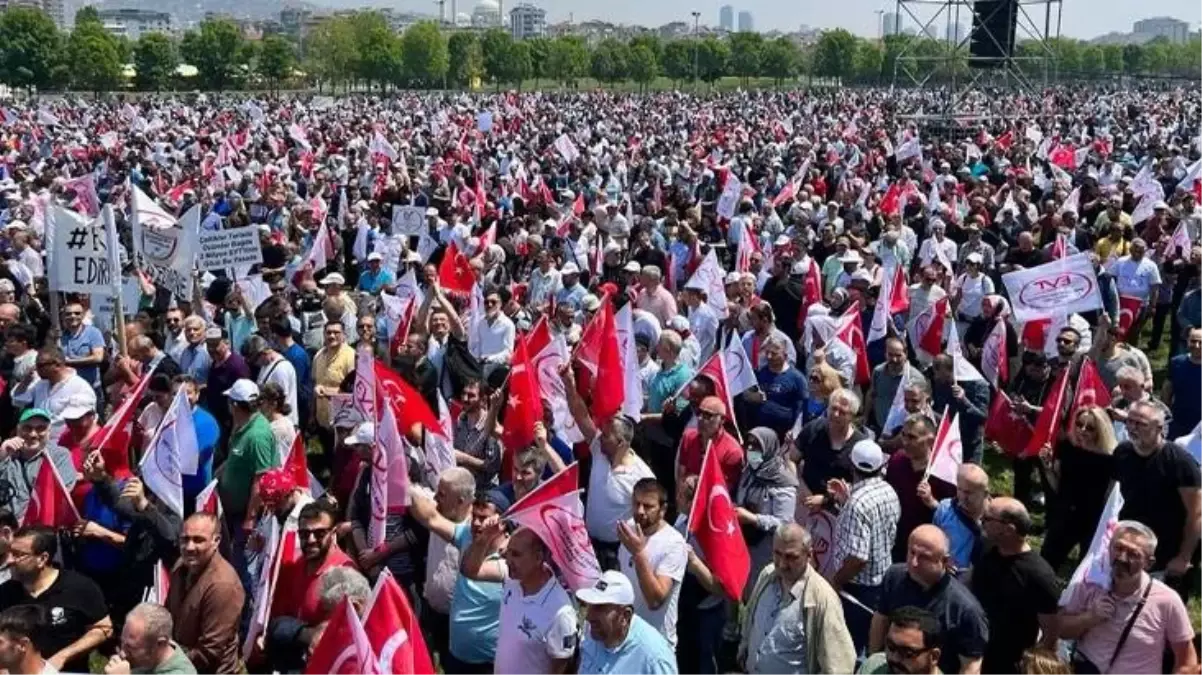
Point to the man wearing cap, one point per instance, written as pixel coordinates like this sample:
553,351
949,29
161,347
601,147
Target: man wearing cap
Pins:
374,278
21,458
334,286
617,640
271,366
252,451
863,536
572,291
59,388
77,439
83,346
226,367
794,620
653,297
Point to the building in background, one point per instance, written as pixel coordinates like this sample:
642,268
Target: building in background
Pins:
726,17
134,23
53,8
1175,30
527,21
746,24
486,14
893,24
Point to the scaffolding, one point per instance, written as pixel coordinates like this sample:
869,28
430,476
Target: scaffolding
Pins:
944,64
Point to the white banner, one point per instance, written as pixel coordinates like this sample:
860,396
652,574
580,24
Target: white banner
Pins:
235,247
729,201
81,261
163,247
1060,287
408,220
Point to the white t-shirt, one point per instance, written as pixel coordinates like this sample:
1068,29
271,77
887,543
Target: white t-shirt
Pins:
534,628
972,292
669,556
55,398
282,373
442,568
610,493
1136,278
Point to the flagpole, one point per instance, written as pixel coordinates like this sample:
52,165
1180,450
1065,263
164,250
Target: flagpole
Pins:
110,227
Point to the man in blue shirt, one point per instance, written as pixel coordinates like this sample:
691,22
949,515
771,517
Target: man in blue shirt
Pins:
208,434
616,640
960,517
1181,391
83,347
375,277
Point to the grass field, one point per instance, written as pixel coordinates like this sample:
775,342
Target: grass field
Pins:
725,84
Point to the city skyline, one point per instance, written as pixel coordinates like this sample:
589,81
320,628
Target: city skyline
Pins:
1084,20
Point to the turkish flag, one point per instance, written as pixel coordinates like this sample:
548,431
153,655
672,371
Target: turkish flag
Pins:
562,483
1005,140
599,353
296,464
1047,425
1007,427
1129,308
208,501
1091,390
931,341
49,502
400,332
995,358
1035,334
406,401
578,205
455,271
891,202
713,522
899,298
116,437
523,407
393,630
851,332
811,293
786,193
343,647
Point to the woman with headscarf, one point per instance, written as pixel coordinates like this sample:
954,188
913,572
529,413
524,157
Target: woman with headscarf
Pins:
766,496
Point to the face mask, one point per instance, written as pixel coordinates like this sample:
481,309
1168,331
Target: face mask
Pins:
755,458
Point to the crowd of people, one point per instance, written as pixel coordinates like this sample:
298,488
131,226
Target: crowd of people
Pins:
812,236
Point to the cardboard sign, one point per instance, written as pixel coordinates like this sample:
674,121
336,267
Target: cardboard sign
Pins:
220,249
81,261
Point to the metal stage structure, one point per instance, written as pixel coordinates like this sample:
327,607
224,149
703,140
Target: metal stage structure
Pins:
1027,61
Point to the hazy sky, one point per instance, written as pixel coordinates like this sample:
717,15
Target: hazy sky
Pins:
1081,18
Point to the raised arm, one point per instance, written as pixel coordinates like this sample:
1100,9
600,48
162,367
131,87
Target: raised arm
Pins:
576,403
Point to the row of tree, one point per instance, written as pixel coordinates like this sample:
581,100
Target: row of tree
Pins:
361,50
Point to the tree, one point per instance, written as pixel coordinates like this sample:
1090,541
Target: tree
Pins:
216,50
496,46
678,60
641,65
424,53
87,14
518,66
540,49
29,47
465,57
651,42
779,60
155,60
567,59
1093,60
609,61
276,59
713,59
746,50
834,54
331,52
868,60
1133,59
379,50
94,56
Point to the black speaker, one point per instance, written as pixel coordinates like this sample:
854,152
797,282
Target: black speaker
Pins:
992,38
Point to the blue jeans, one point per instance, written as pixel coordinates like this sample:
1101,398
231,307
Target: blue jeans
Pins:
859,619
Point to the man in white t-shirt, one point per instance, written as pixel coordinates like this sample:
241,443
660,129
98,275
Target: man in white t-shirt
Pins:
1137,276
456,490
273,367
654,557
60,388
538,619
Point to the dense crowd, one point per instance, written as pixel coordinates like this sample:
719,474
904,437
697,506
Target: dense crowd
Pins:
789,304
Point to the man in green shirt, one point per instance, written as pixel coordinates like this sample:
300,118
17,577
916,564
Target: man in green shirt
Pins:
252,451
146,645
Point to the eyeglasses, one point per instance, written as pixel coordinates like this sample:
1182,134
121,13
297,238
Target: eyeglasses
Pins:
904,651
315,533
1085,426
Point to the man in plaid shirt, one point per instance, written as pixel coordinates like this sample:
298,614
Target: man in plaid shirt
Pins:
864,532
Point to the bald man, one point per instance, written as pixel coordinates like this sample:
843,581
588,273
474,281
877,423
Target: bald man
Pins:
960,517
710,432
923,581
9,315
1016,587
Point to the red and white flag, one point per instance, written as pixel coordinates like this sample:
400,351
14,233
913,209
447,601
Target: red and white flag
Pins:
455,271
1179,244
1094,568
709,278
995,357
161,465
927,331
116,437
297,464
86,198
963,370
851,333
748,244
1129,308
1091,390
598,352
209,501
50,503
1047,425
1007,427
343,647
554,512
893,284
298,134
393,630
269,571
948,452
523,407
407,403
388,448
382,147
1060,247
715,525
549,355
632,384
440,454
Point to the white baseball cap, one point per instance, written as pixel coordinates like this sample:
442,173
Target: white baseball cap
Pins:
374,256
364,434
333,278
569,268
613,588
76,411
867,456
243,391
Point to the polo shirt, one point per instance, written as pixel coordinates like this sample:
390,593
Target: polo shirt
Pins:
252,451
373,282
643,651
666,383
962,536
81,344
194,360
961,620
475,610
535,628
668,554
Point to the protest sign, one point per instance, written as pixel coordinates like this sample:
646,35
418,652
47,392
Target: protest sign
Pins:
729,201
408,220
234,247
484,121
81,261
163,247
104,309
1060,287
